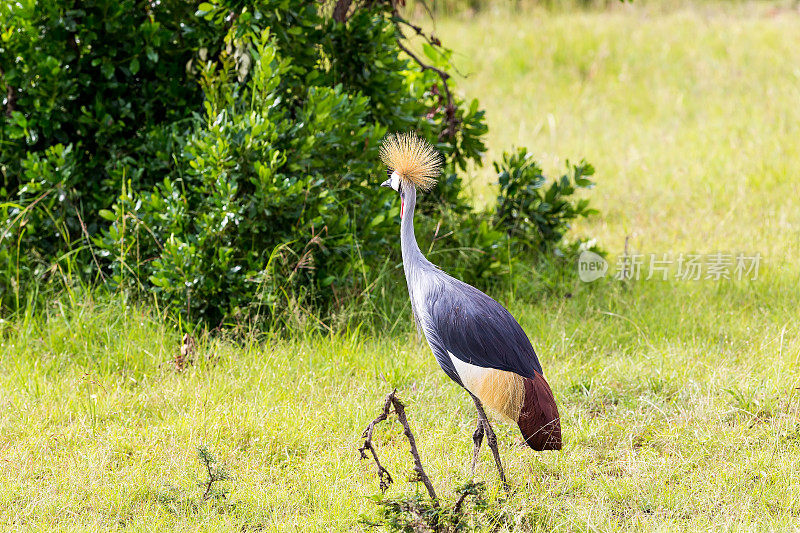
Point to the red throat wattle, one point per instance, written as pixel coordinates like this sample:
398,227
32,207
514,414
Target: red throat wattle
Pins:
402,202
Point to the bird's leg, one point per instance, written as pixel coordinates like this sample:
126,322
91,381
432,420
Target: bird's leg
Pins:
491,440
477,438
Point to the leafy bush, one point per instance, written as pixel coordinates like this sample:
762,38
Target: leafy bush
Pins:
264,206
532,214
225,159
527,223
275,203
93,91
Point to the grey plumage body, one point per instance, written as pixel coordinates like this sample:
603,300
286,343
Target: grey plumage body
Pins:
456,317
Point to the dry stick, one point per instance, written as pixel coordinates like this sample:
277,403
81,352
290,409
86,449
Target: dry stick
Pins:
385,478
400,409
383,475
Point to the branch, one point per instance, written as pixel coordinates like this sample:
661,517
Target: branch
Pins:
400,409
450,108
340,10
460,503
340,14
385,478
432,40
442,74
383,475
471,489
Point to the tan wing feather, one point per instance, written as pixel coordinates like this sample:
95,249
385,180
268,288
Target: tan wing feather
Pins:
413,158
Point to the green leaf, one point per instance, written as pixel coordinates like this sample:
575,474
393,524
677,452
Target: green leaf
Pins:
20,119
430,52
203,9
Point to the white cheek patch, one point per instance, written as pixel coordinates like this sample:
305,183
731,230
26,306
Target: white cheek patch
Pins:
395,181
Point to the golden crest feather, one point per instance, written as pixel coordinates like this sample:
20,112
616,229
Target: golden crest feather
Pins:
413,158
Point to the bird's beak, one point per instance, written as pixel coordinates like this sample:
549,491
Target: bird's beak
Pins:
387,183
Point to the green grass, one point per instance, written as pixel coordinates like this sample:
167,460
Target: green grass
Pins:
680,400
691,117
679,408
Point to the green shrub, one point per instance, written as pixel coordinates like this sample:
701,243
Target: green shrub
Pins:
264,208
531,212
526,226
275,203
92,91
225,159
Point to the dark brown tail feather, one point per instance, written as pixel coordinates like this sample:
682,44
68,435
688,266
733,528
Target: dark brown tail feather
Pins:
539,420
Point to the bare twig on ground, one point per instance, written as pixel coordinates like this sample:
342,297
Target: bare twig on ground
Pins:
385,478
418,514
383,474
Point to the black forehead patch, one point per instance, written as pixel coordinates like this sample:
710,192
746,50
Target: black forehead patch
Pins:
388,172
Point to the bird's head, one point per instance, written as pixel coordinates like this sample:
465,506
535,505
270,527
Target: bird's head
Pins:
411,162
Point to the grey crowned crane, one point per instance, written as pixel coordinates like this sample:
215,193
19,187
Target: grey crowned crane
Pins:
475,340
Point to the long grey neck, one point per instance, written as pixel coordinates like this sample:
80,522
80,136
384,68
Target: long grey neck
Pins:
412,256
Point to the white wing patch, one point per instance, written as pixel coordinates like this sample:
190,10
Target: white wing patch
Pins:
471,375
501,391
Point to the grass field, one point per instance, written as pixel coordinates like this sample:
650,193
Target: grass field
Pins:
690,117
679,400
